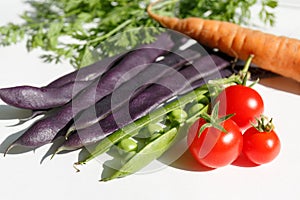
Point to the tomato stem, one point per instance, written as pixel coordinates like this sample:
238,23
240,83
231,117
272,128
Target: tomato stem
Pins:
245,74
264,124
214,120
218,85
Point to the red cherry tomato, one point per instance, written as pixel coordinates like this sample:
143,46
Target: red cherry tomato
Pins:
215,148
243,101
260,147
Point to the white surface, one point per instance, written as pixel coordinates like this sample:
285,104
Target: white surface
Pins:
23,177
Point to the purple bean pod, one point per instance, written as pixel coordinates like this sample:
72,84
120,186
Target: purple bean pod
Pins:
87,73
170,63
35,98
204,69
45,130
58,92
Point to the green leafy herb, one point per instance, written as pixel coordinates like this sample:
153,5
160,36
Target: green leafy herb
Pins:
227,10
72,29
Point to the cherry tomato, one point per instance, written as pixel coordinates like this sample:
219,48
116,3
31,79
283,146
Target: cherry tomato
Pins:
215,148
243,101
260,147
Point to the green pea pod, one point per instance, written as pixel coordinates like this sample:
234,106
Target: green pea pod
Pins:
150,152
133,128
196,116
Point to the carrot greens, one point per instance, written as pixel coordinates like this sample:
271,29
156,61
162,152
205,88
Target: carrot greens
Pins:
72,29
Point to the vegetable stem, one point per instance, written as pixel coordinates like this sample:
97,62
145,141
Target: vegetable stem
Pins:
111,33
245,73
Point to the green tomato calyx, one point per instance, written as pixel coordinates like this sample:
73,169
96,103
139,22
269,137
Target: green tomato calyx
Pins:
214,120
264,124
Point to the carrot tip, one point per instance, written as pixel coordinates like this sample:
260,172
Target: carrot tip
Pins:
149,9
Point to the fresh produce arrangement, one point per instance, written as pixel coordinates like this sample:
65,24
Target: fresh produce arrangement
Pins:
136,104
98,121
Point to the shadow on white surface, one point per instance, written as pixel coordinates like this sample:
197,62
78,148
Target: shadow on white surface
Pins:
10,112
51,152
282,83
243,161
188,163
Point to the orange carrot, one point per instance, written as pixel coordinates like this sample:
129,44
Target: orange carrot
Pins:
278,54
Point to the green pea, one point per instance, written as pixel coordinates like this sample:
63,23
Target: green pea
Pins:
149,130
128,145
178,115
195,109
155,128
203,100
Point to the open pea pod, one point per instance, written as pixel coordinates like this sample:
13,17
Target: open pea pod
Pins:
179,146
150,152
132,129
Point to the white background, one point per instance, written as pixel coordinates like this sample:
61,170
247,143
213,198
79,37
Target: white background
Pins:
23,177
